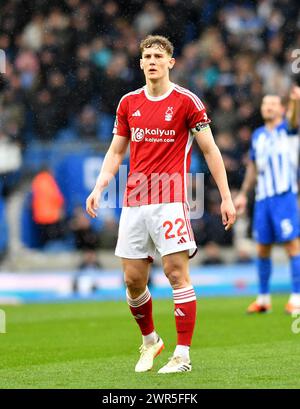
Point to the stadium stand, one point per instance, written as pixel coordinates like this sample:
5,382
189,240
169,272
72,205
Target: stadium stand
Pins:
68,62
3,227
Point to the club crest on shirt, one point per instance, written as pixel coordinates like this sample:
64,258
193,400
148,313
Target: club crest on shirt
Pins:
169,114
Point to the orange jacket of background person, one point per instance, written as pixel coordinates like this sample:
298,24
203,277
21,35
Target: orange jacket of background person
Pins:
47,200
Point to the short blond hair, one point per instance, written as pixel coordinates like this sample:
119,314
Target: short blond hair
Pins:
160,41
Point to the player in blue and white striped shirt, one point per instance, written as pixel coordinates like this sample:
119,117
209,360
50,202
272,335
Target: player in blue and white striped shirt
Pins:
273,168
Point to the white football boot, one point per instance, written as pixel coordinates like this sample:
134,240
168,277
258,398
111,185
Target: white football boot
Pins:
148,353
176,364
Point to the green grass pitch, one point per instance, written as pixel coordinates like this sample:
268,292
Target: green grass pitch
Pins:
95,345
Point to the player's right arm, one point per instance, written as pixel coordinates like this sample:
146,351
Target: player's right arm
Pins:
113,157
248,184
110,167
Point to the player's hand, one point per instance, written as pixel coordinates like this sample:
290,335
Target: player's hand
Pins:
240,203
228,213
92,202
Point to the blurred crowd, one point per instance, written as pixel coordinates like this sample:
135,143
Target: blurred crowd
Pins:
68,62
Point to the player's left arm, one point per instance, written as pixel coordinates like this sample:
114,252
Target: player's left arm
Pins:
216,166
293,111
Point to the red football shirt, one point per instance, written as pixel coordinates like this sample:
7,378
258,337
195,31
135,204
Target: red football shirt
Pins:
160,135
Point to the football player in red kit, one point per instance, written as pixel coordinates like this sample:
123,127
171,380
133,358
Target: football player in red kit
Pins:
160,122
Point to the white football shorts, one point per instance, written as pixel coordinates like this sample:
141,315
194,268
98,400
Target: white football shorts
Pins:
165,227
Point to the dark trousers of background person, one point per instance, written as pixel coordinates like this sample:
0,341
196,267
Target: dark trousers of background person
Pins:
49,232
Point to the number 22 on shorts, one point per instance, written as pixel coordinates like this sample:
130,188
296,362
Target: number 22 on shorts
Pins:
171,229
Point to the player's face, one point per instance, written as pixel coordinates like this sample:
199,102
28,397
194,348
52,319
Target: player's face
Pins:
156,63
271,108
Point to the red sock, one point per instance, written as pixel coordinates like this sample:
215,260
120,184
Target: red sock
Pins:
185,314
141,309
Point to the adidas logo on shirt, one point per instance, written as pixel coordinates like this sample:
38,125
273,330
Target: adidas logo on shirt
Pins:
182,240
137,113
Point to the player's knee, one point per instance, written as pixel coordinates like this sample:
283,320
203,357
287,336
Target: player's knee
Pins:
263,254
175,276
264,251
134,283
292,248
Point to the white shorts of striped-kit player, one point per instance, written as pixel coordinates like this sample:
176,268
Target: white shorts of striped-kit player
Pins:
165,227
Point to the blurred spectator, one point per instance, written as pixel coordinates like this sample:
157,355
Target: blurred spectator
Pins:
212,254
10,159
149,19
107,14
12,113
231,157
87,239
46,115
47,207
224,118
89,261
114,83
48,60
244,252
84,89
61,96
27,65
33,33
209,231
87,127
179,14
101,54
